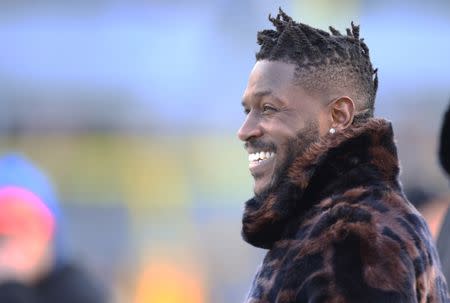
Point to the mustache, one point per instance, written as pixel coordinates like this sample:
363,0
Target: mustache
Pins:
259,144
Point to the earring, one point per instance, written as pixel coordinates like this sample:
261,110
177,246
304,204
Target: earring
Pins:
332,130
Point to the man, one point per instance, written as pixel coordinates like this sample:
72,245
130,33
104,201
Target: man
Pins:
328,205
34,267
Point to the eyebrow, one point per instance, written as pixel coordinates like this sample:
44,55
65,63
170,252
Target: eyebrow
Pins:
261,94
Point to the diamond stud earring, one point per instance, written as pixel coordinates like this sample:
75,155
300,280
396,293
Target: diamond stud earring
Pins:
332,130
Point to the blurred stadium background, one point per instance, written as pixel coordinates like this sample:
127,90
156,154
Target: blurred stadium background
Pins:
132,109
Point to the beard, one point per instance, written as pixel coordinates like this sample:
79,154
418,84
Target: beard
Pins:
295,147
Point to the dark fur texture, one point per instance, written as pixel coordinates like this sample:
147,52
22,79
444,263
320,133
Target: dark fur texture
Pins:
444,148
339,228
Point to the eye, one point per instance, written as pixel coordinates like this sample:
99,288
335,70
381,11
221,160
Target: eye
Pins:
268,108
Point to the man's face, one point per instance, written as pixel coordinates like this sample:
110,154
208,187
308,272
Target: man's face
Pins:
281,121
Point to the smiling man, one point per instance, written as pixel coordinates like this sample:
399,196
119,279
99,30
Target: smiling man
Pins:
328,205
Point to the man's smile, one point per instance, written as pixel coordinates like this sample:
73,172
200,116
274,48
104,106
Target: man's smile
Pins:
258,161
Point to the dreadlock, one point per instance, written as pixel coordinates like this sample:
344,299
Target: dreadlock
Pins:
324,61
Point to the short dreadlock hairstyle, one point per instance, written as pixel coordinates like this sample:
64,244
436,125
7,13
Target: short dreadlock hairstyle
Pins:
325,61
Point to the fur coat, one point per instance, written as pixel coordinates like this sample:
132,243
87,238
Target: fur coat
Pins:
338,228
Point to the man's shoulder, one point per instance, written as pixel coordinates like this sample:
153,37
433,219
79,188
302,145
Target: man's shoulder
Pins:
361,236
348,246
381,219
365,244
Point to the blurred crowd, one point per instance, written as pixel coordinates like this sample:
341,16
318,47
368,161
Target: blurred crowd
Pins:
34,266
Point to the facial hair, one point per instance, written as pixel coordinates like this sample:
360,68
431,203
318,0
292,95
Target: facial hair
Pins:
295,147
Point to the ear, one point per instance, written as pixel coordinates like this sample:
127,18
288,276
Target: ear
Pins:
342,112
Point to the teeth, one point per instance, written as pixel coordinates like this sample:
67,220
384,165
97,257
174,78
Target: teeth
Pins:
259,156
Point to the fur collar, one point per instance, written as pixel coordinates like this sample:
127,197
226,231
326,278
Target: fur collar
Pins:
361,155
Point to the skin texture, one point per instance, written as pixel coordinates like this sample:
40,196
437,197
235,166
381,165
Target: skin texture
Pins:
278,110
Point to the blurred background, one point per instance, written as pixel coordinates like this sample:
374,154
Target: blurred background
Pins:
132,107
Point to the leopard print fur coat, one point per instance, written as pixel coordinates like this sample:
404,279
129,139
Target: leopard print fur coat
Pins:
339,229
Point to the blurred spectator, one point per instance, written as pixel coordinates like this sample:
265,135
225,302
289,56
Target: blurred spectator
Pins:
33,264
443,243
433,207
444,148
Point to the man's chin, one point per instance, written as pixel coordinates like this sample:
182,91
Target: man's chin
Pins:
261,187
265,185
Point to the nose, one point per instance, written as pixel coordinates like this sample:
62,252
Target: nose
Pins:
250,129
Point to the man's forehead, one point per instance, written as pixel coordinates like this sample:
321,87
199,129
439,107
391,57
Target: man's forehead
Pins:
272,78
266,74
